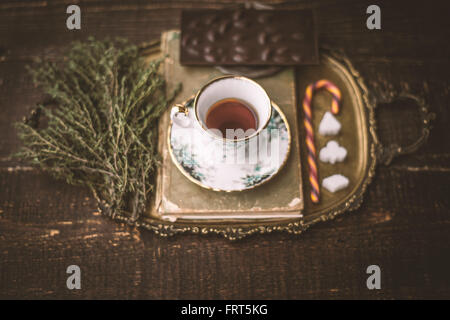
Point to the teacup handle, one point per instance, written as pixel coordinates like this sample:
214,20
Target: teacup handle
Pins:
179,116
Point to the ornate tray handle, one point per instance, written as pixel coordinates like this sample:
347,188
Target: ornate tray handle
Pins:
385,154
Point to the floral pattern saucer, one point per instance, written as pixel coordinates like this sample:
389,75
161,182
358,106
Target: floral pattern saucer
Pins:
216,165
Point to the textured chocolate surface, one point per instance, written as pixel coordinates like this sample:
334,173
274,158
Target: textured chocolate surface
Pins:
248,37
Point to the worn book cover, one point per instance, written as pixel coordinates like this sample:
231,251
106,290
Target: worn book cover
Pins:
178,198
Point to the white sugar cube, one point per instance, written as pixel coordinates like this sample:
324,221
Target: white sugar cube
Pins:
335,182
332,153
329,125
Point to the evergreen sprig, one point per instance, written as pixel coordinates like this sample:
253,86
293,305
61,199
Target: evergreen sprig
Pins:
102,129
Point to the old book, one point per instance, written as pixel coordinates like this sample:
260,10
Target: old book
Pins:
178,198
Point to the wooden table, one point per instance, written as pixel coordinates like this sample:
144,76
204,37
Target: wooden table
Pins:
403,225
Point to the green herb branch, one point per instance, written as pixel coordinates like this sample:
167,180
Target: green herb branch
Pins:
102,130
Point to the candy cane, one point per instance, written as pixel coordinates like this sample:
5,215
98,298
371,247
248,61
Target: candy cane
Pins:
312,162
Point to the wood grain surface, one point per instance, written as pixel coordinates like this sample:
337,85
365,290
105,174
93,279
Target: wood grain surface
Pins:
403,225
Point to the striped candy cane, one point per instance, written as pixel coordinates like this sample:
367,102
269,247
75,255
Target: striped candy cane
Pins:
312,162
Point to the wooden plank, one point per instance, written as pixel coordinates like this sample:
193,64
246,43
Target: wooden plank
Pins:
403,224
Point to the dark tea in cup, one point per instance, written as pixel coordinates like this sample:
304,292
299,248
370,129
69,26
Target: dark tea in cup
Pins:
231,113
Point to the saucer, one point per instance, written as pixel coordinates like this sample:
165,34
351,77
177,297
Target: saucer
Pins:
215,165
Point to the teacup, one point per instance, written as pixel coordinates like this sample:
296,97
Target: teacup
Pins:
220,89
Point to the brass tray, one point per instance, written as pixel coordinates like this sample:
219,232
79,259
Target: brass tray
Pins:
358,136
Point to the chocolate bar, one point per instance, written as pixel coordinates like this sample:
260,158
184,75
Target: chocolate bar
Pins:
248,37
